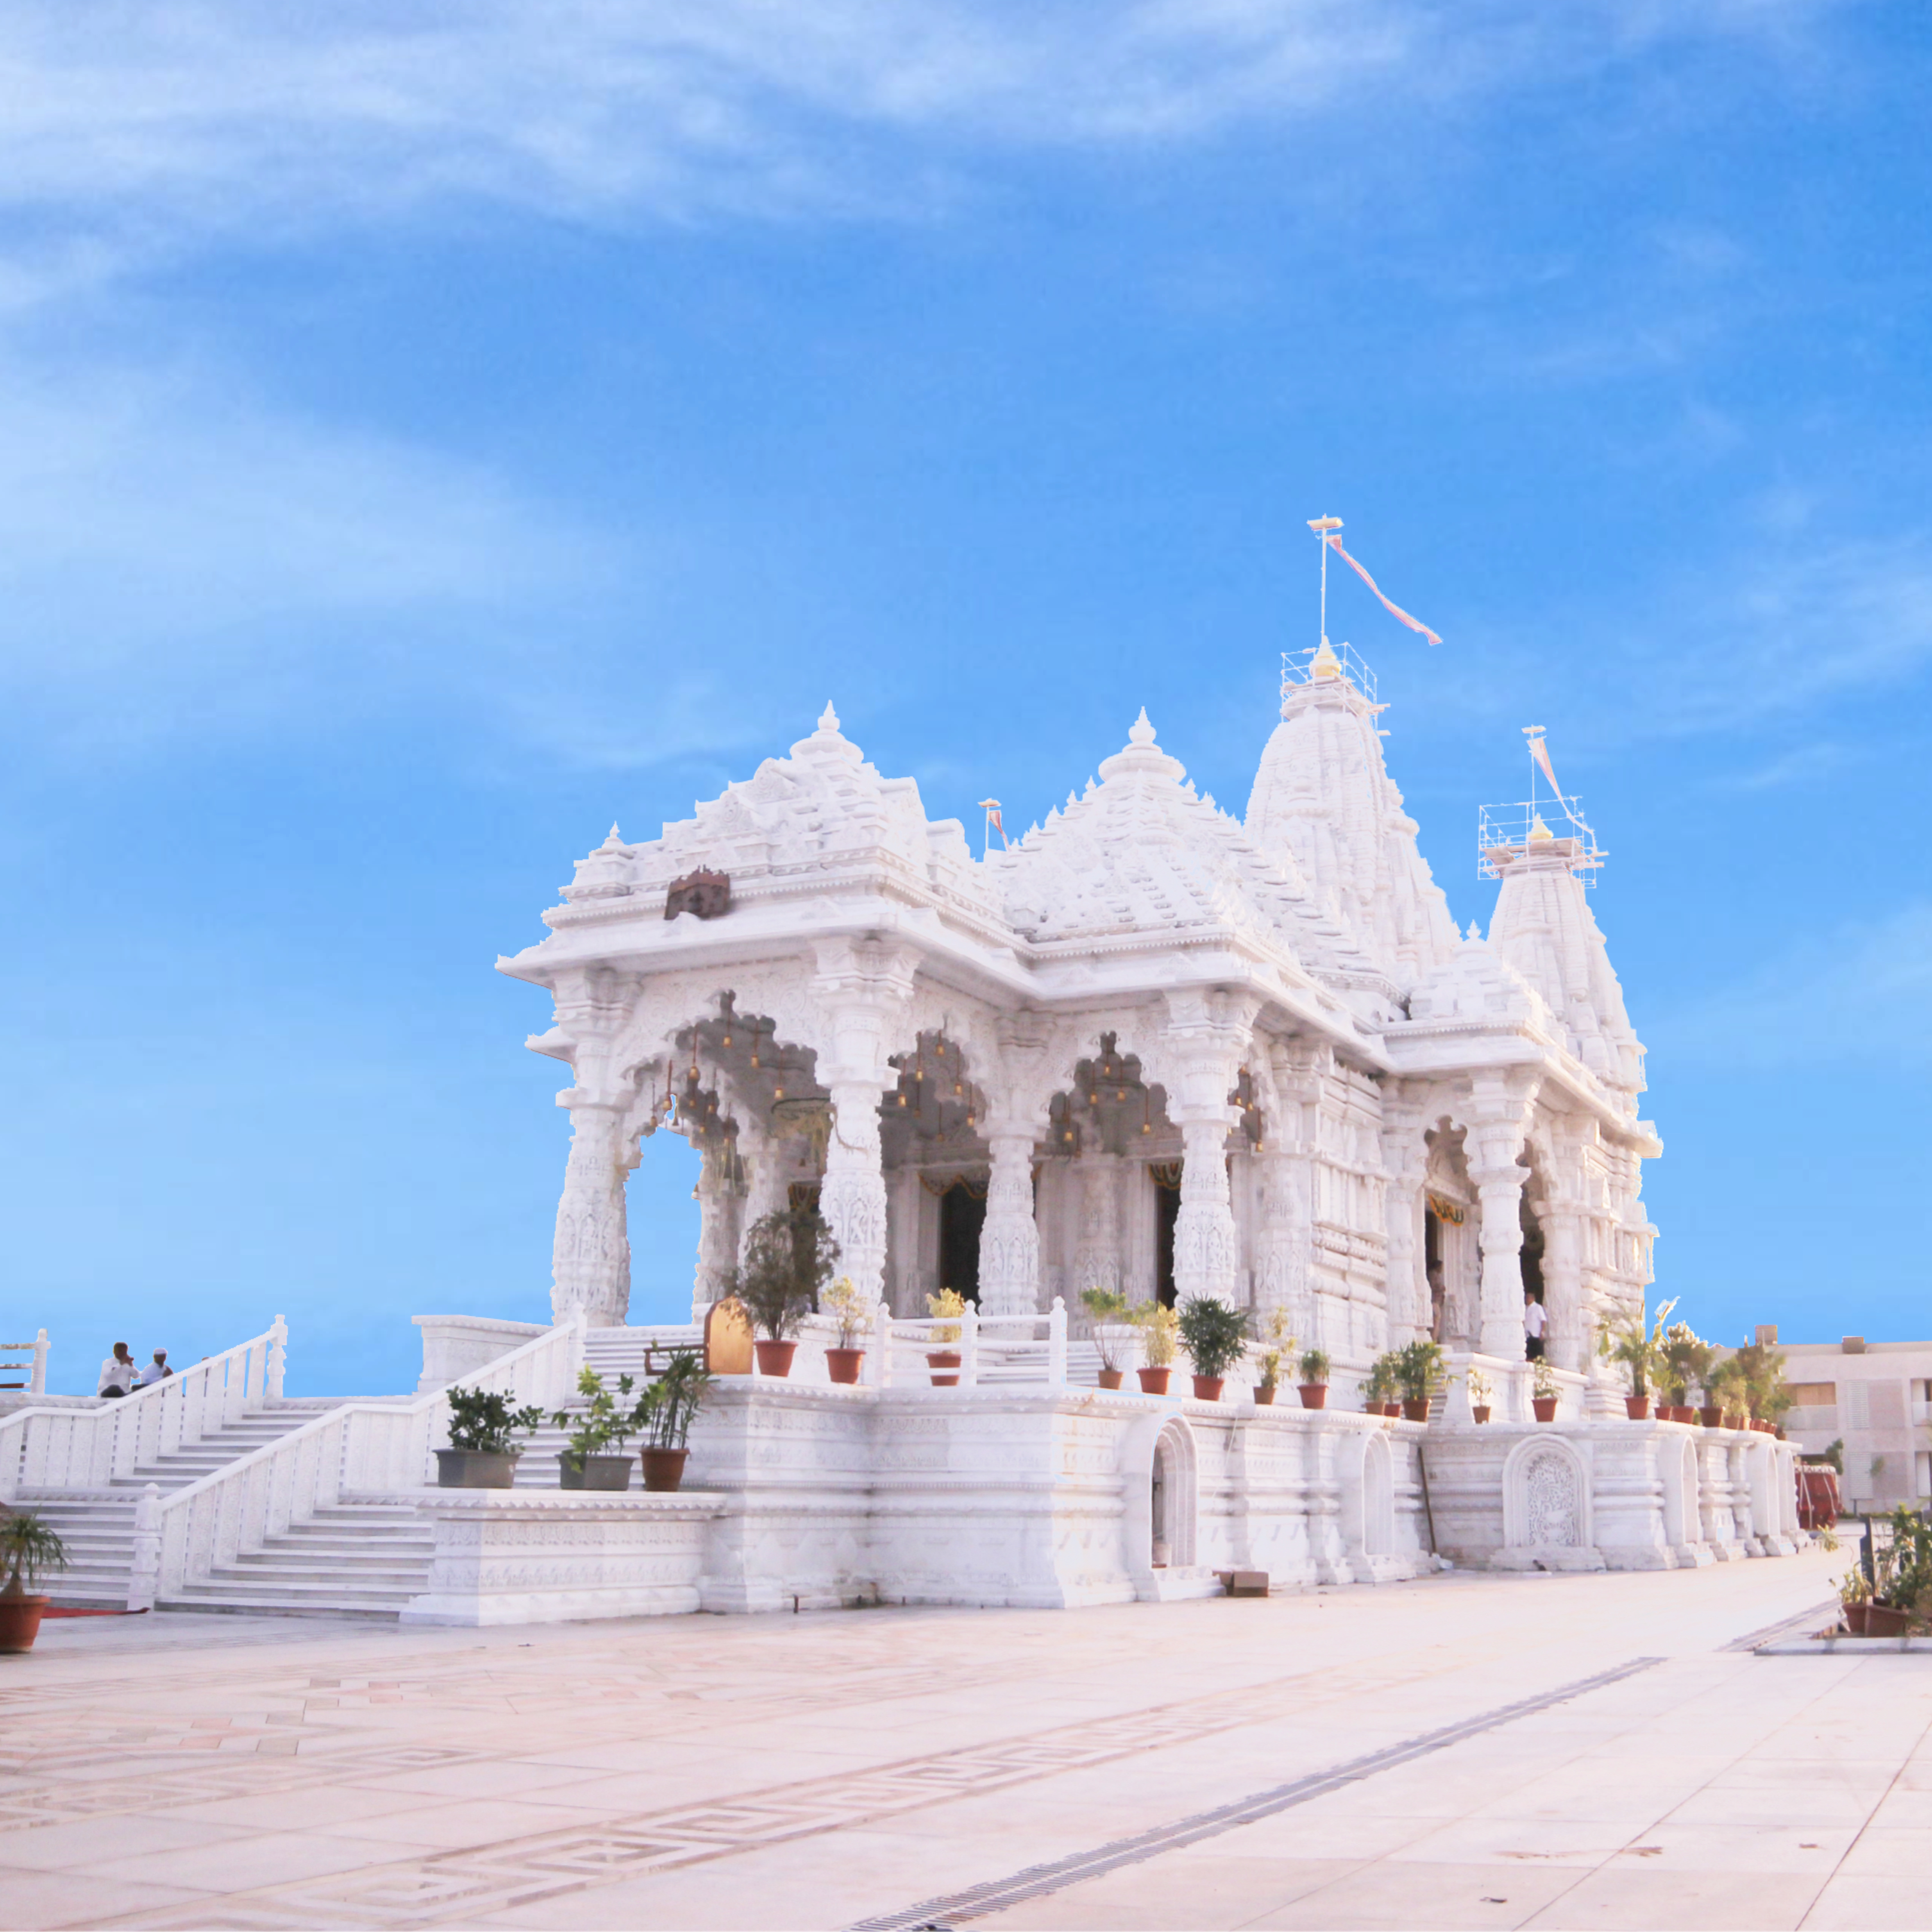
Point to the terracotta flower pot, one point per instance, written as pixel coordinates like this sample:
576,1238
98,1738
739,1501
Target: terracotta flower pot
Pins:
1264,1394
1637,1407
1314,1395
1392,1409
1712,1416
1855,1618
1207,1388
843,1365
1545,1406
1683,1412
1415,1412
1153,1382
775,1357
664,1469
594,1472
1479,1411
941,1361
1111,1379
1881,1620
19,1623
471,1469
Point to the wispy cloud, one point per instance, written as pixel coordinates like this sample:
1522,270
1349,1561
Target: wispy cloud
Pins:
1860,995
219,114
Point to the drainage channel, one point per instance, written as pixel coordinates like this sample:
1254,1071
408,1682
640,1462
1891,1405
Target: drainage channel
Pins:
936,1914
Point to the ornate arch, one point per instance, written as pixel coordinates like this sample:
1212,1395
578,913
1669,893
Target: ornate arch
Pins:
1546,1495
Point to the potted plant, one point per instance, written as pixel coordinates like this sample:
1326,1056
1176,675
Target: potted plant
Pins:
944,1308
1543,1390
789,1256
1108,1308
1160,1331
1687,1361
1378,1391
1314,1384
666,1412
579,1465
1627,1339
853,1312
1418,1370
1854,1600
1766,1396
1479,1393
1215,1336
1278,1347
483,1450
28,1546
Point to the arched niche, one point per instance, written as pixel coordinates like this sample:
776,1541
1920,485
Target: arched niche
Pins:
1546,1495
935,1158
1107,1182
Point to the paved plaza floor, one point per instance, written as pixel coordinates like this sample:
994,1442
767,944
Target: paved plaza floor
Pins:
1465,1751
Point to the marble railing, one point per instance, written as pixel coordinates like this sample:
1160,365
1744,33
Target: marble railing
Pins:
87,1448
357,1448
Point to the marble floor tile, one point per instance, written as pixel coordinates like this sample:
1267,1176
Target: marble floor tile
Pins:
1862,1902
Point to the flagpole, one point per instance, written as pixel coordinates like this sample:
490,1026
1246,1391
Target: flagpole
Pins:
1324,527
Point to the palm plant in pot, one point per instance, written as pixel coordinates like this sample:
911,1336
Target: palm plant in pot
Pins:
1418,1372
1278,1346
27,1547
1160,1333
1543,1389
582,1463
1378,1390
849,1309
483,1447
1215,1337
1687,1361
1725,1385
1628,1340
666,1412
1313,1368
789,1256
1107,1308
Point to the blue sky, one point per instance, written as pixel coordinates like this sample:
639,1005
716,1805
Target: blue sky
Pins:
425,437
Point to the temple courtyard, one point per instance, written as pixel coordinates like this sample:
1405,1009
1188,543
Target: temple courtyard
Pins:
1642,1749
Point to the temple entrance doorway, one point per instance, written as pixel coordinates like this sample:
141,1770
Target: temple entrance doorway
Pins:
962,1215
1532,1260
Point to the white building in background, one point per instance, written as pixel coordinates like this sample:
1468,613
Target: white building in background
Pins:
1153,1046
1876,1398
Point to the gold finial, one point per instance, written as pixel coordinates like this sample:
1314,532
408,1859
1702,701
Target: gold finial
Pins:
1540,834
1326,664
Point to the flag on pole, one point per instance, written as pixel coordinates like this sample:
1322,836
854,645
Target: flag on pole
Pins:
994,822
1395,611
1540,752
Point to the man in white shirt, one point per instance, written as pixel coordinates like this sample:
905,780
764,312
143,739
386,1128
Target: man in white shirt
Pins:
118,1373
1535,1320
157,1370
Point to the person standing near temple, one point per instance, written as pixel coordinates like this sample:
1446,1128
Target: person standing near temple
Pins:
1535,1320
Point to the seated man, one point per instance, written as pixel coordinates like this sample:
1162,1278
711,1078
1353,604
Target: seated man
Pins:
118,1373
157,1370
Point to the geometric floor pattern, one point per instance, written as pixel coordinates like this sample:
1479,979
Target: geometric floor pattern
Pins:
826,1769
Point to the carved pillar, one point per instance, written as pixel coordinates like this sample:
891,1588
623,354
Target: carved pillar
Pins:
852,1197
1010,1241
1096,1261
1281,1269
1404,1161
1205,1253
1500,1190
1568,1339
591,1260
718,1202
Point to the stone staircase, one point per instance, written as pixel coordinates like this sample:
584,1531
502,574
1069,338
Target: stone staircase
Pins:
98,1526
359,1559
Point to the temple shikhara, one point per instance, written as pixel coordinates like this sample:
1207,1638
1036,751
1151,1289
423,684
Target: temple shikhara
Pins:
1152,1049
